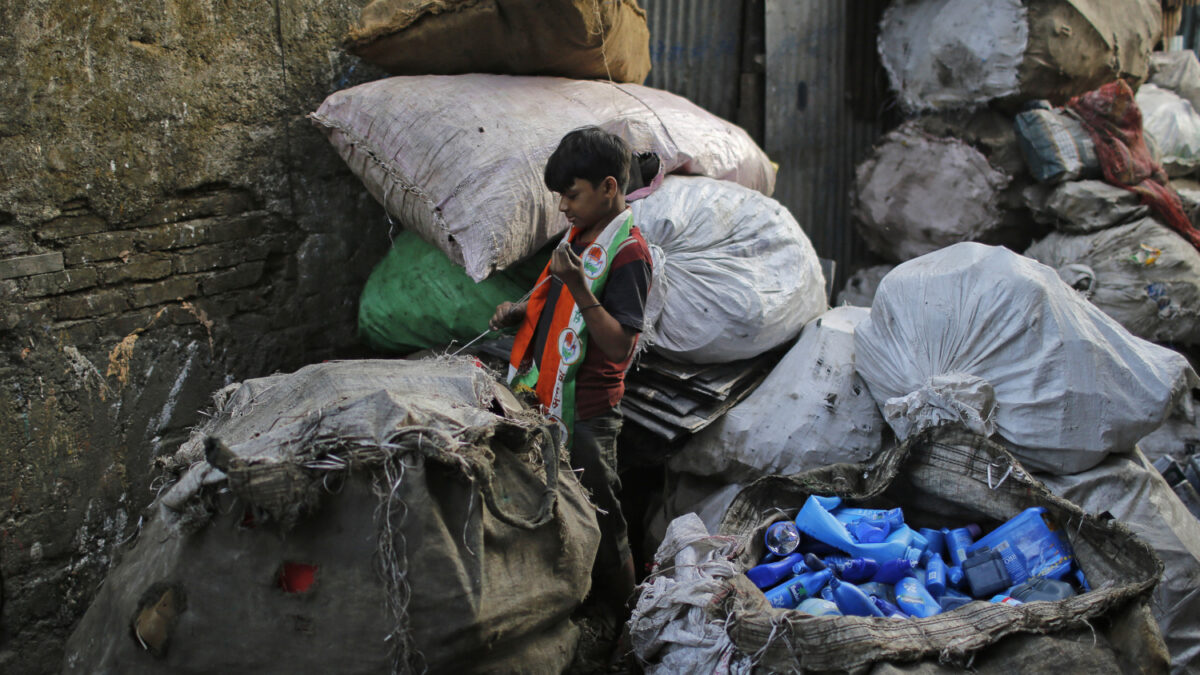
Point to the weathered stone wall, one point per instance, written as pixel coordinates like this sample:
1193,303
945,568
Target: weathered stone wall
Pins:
169,222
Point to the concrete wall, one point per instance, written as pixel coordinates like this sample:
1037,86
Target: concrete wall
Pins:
169,222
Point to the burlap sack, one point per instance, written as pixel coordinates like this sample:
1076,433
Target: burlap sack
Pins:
439,532
581,39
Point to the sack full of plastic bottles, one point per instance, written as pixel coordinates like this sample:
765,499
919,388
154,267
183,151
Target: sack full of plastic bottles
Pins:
935,551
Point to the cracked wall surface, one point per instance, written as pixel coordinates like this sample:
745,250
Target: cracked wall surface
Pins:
169,223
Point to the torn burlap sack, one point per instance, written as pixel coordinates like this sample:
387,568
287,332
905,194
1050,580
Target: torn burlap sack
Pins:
942,478
354,517
583,39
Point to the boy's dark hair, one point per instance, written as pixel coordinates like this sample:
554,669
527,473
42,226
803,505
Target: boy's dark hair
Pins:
589,153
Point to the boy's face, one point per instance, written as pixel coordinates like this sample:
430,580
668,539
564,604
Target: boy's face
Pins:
585,204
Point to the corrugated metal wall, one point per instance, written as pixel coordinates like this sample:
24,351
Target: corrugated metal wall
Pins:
824,102
823,114
695,51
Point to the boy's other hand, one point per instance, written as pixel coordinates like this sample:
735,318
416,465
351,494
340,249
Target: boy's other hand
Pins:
568,267
507,314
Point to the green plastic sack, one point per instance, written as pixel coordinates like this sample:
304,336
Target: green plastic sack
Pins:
417,298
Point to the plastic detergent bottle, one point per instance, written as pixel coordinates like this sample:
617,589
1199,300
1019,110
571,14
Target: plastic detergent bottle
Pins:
819,607
789,594
959,540
867,532
782,537
912,598
855,570
935,574
986,573
884,591
767,575
952,599
892,518
936,540
818,523
889,610
892,571
851,600
1003,599
955,576
1030,546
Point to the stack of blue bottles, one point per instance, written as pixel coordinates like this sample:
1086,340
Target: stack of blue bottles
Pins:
835,559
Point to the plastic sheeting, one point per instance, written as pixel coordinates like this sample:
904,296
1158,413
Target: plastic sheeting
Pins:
1129,488
459,159
1175,127
735,276
954,331
918,193
812,410
1142,274
671,630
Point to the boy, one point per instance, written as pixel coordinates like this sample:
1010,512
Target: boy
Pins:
578,331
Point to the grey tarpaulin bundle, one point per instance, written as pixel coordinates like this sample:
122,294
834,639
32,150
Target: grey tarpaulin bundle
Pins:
943,476
367,516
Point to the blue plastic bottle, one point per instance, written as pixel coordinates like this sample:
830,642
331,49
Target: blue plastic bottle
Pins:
937,540
912,598
782,537
893,518
819,607
812,562
1003,599
935,574
959,540
767,575
952,599
955,576
856,570
889,610
791,593
1031,546
867,532
892,571
884,591
851,600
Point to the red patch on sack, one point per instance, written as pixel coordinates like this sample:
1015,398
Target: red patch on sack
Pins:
297,577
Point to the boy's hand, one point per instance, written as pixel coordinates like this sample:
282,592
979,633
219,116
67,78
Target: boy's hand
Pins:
568,267
507,314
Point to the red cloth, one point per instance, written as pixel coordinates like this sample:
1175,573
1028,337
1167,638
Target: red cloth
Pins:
1114,122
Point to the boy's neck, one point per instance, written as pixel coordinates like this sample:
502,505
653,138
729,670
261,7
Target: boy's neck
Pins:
592,231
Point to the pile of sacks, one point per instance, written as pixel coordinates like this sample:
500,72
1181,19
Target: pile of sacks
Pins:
973,338
1051,356
456,160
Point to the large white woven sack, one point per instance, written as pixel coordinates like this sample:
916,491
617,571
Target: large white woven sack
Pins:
459,158
996,341
1128,488
812,410
1174,125
735,276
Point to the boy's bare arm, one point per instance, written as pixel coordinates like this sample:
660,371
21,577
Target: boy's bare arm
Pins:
604,331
